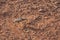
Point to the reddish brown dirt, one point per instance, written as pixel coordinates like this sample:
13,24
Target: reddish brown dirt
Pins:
29,19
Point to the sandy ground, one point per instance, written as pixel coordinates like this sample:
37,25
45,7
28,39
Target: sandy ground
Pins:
29,19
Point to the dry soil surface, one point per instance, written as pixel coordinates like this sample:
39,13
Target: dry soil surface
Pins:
29,19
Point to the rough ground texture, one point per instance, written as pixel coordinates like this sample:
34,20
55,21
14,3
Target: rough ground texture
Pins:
29,19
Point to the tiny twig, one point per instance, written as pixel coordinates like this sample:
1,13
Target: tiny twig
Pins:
19,20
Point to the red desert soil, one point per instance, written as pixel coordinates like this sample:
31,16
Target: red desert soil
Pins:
29,19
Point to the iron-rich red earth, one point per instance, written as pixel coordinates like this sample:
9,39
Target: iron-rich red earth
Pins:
29,19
